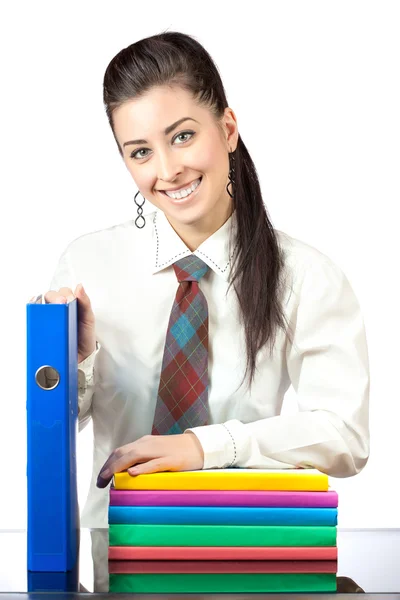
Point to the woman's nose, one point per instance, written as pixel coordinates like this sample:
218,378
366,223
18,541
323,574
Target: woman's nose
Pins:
168,169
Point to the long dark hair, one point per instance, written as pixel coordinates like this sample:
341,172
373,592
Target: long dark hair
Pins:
174,58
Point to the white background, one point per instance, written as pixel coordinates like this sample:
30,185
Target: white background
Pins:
315,88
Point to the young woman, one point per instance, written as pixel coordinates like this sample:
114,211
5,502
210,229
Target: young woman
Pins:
195,320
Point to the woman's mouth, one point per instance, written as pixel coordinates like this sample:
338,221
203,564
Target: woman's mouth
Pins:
187,197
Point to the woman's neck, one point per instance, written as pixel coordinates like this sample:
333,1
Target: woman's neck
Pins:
193,235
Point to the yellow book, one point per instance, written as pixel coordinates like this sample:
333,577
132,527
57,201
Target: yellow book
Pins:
226,479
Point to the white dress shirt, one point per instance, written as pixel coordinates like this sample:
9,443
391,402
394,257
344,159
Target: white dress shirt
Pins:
128,275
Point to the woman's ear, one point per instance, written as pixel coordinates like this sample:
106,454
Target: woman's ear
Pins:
231,128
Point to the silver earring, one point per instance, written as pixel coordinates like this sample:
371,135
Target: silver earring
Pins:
140,211
231,175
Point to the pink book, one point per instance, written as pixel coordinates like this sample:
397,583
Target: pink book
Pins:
327,499
222,566
185,553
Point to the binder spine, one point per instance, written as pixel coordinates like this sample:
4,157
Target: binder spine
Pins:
52,411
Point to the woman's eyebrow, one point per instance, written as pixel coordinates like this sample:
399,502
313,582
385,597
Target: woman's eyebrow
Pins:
166,131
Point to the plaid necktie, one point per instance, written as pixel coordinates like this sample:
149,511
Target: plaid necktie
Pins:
182,399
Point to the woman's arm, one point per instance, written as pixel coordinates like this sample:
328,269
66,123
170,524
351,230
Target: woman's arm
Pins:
329,369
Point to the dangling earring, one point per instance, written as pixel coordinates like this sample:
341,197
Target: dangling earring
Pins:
140,211
231,175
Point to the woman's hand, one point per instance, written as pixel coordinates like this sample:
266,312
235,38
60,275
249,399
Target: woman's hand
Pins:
153,453
86,318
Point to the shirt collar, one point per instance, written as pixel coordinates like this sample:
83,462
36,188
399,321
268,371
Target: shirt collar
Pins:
216,251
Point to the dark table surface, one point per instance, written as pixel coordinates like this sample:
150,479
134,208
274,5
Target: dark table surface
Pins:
368,563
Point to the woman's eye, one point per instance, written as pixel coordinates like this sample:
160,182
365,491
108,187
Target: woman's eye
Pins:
184,133
133,155
191,133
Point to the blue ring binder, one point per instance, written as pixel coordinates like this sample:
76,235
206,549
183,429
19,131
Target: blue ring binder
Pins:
52,427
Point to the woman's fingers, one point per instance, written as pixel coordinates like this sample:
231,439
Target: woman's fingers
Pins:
151,466
142,450
63,296
118,461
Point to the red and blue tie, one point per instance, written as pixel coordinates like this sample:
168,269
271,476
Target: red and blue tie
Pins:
182,399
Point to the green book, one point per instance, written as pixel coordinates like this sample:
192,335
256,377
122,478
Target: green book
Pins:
221,535
234,583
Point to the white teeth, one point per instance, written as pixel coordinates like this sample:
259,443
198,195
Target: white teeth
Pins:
184,192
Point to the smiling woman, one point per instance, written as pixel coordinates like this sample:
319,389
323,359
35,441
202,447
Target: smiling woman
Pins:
206,295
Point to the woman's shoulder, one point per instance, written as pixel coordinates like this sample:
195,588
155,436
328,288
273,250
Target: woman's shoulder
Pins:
300,254
118,234
306,263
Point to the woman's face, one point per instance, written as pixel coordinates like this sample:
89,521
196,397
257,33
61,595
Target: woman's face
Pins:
190,150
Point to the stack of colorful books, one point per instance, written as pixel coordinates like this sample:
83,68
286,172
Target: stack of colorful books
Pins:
226,530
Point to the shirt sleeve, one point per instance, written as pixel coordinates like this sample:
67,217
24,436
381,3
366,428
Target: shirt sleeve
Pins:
328,367
64,276
86,386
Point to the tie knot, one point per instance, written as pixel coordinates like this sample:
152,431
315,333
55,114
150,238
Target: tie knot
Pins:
190,268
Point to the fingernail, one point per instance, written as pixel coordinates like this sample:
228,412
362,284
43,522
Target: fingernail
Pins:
70,298
60,300
102,481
